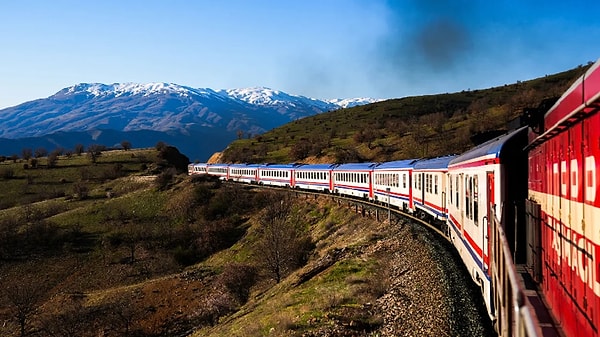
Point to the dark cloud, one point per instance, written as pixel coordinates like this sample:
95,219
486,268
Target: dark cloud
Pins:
424,38
440,44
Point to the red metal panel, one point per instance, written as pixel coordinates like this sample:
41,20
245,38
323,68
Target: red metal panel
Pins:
592,83
570,101
370,182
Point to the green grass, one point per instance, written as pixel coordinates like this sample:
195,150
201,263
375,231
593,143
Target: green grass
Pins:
21,185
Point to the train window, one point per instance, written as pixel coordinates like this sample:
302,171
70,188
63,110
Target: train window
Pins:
467,196
428,187
435,185
457,192
404,180
451,191
475,200
428,183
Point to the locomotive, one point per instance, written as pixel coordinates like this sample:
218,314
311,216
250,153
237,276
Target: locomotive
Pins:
527,199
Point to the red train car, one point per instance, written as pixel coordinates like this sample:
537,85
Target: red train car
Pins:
564,206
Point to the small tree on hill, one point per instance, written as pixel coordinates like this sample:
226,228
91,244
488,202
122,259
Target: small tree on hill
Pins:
52,159
26,153
40,152
94,151
126,145
79,149
300,150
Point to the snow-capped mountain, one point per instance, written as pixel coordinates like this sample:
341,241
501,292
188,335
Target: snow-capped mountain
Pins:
352,102
161,107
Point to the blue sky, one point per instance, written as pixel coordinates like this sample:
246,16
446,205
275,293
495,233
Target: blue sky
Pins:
317,48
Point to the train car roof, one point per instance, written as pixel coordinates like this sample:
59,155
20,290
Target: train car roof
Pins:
583,92
277,166
355,166
398,164
490,149
315,166
433,163
244,165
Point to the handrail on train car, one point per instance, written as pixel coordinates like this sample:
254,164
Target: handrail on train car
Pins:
515,315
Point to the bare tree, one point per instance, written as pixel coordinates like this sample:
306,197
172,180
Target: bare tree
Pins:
283,246
24,299
71,321
27,153
40,152
79,149
94,151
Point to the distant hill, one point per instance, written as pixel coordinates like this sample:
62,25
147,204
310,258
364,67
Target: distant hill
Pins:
197,121
409,127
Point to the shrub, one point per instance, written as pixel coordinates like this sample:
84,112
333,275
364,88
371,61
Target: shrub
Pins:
163,180
7,173
80,191
186,256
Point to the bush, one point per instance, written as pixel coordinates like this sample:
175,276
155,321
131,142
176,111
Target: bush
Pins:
80,191
238,279
186,256
163,180
7,173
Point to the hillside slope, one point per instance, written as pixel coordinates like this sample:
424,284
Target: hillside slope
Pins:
410,127
124,246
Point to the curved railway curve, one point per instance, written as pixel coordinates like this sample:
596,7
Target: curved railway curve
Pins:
521,209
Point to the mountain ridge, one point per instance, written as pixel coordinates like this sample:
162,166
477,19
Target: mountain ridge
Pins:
162,107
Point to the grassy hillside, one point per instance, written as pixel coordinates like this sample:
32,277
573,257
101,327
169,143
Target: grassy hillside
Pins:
125,246
403,128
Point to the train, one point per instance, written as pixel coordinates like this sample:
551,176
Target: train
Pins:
524,200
